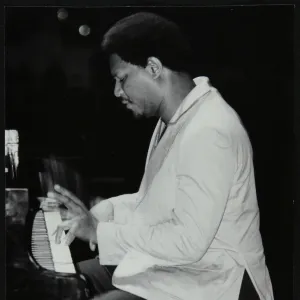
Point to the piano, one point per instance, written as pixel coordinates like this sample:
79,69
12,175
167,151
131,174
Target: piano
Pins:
45,252
46,269
37,267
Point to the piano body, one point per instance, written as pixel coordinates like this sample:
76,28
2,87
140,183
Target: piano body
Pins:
38,268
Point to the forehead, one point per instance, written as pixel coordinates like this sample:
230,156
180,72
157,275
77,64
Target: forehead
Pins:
117,64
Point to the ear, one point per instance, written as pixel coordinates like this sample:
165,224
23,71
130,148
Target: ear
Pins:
154,67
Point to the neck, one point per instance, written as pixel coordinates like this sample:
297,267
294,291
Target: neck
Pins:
178,86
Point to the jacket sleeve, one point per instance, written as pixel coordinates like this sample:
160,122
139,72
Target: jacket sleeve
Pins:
205,170
117,209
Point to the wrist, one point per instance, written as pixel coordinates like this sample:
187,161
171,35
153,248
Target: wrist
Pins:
93,237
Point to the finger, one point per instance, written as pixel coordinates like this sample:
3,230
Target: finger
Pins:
92,246
54,196
48,204
66,201
70,237
55,231
41,199
60,230
47,200
46,207
66,214
58,234
69,195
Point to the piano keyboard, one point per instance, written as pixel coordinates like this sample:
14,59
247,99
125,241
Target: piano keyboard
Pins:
51,256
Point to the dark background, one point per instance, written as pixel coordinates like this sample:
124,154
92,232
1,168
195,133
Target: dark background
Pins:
59,96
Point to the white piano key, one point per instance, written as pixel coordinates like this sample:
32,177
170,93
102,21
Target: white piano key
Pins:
64,268
61,254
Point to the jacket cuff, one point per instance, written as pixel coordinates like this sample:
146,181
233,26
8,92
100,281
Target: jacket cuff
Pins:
110,250
103,211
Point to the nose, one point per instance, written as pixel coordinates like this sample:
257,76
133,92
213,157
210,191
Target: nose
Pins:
118,90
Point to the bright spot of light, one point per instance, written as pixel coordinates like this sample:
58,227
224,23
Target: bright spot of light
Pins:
62,14
84,30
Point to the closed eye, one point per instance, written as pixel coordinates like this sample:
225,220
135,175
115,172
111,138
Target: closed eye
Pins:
122,80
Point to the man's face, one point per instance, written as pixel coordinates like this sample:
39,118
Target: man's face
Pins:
135,87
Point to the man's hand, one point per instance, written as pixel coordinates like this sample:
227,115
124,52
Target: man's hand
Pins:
79,222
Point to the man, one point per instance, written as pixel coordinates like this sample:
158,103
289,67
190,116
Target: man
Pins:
192,229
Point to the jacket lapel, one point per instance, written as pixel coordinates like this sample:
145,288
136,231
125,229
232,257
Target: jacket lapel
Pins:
158,152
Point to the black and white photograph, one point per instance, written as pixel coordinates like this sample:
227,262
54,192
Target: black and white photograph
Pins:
149,152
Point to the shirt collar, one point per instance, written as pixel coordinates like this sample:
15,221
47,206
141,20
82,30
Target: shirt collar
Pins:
202,87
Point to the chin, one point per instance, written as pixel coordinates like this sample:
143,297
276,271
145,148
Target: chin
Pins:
137,115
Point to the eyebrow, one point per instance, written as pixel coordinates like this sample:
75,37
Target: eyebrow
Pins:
115,75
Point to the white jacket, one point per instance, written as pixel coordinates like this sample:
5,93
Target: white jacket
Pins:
192,229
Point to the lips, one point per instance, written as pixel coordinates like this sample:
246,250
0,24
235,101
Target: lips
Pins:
128,105
126,101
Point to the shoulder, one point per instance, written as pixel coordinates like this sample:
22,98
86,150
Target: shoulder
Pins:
216,122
